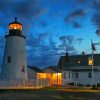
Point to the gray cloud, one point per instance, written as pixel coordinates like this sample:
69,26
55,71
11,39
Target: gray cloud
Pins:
96,5
75,14
43,24
96,16
42,50
79,40
76,24
67,44
26,10
67,39
98,32
81,1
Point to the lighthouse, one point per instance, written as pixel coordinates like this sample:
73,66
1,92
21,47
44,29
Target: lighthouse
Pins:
14,66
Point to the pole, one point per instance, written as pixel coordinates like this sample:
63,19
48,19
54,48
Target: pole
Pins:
92,68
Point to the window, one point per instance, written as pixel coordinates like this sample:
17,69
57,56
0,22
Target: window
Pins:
90,62
64,76
23,68
76,75
69,75
8,59
72,75
89,75
78,61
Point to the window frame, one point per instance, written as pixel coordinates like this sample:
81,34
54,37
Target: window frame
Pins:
77,75
89,75
8,59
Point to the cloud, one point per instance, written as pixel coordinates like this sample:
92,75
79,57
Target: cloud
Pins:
75,14
98,32
25,10
81,1
43,24
42,50
76,24
79,40
96,16
67,44
67,39
73,17
96,5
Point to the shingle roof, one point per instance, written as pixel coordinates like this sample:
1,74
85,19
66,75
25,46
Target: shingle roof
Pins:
53,68
73,61
36,69
79,69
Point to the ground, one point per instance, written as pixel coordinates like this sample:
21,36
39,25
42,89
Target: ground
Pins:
50,93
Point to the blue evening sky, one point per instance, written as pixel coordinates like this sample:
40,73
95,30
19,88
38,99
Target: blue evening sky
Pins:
52,27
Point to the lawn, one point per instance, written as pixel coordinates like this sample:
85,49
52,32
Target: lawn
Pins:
50,93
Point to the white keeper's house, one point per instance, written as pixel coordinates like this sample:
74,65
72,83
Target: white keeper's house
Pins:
78,69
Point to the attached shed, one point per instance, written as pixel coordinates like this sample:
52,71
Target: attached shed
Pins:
54,75
35,73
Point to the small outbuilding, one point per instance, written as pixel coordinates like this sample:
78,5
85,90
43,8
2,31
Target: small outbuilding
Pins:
35,73
54,75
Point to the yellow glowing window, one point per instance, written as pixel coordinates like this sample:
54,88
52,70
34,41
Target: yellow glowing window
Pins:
41,75
90,62
79,62
15,26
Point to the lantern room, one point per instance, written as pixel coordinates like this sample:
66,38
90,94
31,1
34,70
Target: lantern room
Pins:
15,25
15,28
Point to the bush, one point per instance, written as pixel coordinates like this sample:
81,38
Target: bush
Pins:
98,84
79,84
71,83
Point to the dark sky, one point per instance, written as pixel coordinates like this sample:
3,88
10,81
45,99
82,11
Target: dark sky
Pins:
52,27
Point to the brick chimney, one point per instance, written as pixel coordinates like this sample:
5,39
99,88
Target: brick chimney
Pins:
67,57
83,53
60,64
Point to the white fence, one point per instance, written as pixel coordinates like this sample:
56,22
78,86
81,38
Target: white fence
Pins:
37,83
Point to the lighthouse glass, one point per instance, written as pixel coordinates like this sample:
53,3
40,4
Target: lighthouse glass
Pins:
15,26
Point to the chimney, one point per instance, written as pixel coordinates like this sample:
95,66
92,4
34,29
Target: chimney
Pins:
67,57
83,53
60,64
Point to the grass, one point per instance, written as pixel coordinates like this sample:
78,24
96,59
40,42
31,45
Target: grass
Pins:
50,93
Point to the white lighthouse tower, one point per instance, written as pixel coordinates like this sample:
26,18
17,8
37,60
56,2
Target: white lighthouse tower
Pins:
14,65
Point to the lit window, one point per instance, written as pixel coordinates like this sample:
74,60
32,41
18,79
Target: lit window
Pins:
90,62
79,62
8,59
15,26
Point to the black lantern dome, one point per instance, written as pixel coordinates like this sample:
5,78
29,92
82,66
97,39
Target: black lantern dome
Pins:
15,28
15,25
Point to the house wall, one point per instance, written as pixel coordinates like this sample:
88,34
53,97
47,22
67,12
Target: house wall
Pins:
31,74
82,78
67,77
49,71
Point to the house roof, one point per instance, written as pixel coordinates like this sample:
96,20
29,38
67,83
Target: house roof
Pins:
81,69
53,69
36,69
73,61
